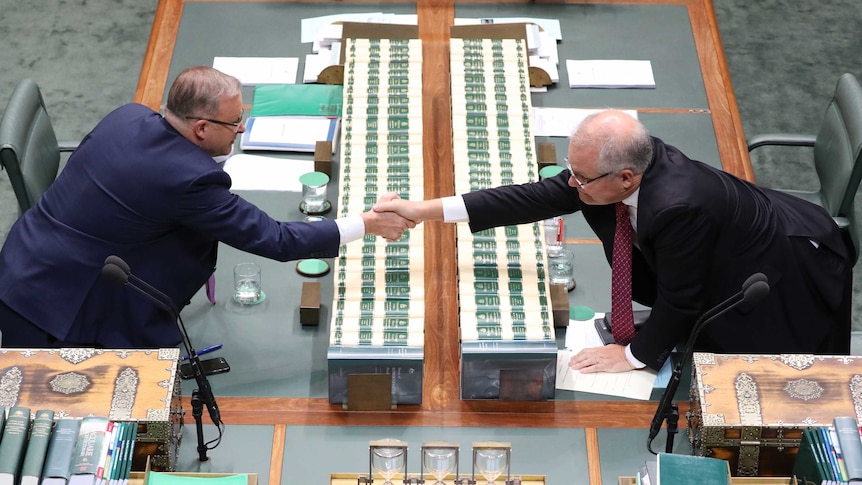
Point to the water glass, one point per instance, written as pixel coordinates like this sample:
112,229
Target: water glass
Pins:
314,192
246,280
561,268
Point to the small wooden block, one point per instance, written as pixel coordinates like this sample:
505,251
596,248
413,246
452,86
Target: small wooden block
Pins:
539,78
547,152
559,305
521,385
369,392
309,303
323,157
331,75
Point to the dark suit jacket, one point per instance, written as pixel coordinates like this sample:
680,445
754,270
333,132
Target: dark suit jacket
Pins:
700,233
137,189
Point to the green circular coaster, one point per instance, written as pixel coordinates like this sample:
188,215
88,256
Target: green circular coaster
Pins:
327,206
259,300
580,312
314,179
550,171
312,267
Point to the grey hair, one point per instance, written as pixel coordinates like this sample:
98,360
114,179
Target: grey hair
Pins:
619,149
197,91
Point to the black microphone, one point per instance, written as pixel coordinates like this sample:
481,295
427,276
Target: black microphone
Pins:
118,272
754,289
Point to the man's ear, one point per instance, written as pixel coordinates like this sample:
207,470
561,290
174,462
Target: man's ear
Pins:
627,176
199,128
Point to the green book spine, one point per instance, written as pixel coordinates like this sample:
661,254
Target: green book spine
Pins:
807,465
34,457
12,444
85,462
61,447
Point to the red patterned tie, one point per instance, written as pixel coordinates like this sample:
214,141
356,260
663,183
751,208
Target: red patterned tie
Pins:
622,318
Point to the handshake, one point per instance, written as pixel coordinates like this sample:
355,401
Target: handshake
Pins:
391,216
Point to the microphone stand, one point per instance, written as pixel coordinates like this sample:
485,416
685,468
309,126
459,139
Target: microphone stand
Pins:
754,289
203,394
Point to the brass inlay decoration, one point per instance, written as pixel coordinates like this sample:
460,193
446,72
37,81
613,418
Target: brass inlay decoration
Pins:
70,383
125,391
797,361
10,387
856,395
748,400
77,355
803,389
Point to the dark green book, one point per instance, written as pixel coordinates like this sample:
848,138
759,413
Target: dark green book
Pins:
61,447
673,469
85,461
37,446
13,443
807,465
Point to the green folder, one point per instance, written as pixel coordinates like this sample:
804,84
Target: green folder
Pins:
297,99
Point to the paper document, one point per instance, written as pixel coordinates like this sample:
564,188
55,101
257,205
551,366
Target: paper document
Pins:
561,122
610,74
254,172
259,70
581,334
288,133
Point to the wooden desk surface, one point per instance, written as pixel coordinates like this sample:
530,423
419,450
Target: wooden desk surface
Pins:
442,406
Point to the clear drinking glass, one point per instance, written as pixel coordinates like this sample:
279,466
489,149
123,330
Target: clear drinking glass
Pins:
246,280
388,461
314,192
439,462
561,268
491,462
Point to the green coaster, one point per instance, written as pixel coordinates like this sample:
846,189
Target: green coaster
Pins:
580,312
259,300
314,179
550,171
312,267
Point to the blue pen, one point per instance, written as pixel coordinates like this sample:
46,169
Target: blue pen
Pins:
205,350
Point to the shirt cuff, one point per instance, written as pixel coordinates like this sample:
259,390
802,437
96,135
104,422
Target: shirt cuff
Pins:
632,360
454,209
350,228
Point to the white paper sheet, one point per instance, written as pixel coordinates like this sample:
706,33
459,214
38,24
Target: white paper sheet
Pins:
580,334
561,122
252,71
254,172
600,73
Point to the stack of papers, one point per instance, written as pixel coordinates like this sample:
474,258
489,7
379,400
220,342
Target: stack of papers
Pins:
610,74
288,133
259,70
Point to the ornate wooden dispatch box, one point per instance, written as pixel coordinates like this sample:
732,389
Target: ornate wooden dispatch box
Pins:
750,409
124,385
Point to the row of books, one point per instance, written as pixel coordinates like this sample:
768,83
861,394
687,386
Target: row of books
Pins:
38,450
830,454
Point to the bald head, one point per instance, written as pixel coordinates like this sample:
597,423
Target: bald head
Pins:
618,140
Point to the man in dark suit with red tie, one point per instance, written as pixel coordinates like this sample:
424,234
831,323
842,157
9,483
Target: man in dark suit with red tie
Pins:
698,234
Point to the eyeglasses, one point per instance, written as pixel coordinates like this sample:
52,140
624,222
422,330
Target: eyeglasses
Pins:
583,183
235,124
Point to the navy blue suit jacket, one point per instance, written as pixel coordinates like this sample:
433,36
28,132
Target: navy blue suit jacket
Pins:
137,189
701,232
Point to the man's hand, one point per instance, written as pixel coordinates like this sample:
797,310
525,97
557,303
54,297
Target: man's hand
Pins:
388,225
610,358
405,208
